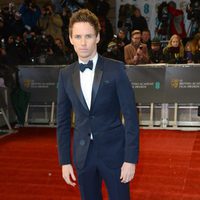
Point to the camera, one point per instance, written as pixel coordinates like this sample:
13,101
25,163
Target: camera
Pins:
140,47
73,6
3,43
193,10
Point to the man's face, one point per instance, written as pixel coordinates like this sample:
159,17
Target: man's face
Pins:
145,36
136,39
84,40
121,34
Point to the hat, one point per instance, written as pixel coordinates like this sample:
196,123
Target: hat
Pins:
111,44
155,41
123,29
135,32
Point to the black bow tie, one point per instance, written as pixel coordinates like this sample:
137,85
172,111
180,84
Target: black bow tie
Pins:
89,65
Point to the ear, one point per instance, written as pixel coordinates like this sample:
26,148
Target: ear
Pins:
98,38
71,40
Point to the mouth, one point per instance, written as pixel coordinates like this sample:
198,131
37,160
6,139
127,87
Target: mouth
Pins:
83,49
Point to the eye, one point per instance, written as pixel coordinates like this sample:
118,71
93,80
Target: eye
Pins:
77,37
88,36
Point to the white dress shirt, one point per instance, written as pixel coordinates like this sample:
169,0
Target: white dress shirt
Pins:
86,80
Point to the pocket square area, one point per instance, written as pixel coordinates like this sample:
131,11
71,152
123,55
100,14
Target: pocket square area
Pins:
107,82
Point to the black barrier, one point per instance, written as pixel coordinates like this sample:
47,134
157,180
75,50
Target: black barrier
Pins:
2,98
40,81
148,82
158,83
182,84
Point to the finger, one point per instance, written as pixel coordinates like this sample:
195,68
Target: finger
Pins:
124,179
73,176
68,180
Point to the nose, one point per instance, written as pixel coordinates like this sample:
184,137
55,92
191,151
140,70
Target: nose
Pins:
83,41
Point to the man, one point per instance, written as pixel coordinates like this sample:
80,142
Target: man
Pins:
146,38
104,149
136,52
138,21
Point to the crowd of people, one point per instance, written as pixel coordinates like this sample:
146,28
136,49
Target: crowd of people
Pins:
32,34
141,49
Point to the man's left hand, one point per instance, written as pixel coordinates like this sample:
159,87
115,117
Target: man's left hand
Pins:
127,172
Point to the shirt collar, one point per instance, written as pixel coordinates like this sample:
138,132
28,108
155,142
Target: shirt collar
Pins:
94,59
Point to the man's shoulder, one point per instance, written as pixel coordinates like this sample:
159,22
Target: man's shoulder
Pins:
128,46
112,65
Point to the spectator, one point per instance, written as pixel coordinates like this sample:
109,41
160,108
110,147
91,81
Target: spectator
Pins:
177,25
17,51
50,22
115,48
30,13
60,52
113,51
106,33
146,38
2,27
6,18
17,27
174,51
189,55
197,52
138,21
121,37
66,14
136,52
156,52
191,49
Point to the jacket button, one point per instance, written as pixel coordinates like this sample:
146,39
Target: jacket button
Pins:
82,142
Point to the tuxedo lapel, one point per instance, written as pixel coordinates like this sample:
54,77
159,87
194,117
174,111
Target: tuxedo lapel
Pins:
77,86
97,79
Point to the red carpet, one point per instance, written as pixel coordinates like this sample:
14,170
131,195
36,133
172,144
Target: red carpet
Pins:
169,167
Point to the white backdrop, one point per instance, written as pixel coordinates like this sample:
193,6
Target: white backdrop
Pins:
149,10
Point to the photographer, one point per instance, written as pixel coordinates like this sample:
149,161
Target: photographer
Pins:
193,14
50,22
113,51
7,71
30,13
17,51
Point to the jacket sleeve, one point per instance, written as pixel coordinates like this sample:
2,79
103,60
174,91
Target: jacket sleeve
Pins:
129,111
64,108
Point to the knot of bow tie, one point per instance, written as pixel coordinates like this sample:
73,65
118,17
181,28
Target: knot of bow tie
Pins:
89,65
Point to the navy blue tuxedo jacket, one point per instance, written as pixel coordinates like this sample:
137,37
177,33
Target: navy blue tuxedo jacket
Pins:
112,95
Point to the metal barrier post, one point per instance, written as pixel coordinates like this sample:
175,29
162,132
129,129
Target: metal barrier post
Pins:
151,115
5,118
175,115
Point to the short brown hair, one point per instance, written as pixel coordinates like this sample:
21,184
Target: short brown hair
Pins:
84,15
135,32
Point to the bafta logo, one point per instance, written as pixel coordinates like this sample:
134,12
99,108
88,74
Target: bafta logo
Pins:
27,83
157,85
175,83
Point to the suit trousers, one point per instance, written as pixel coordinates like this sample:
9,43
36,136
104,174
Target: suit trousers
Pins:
94,172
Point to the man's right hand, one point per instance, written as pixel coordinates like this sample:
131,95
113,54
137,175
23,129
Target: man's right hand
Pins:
68,174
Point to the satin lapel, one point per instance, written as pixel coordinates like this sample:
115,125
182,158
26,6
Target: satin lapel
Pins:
77,86
97,79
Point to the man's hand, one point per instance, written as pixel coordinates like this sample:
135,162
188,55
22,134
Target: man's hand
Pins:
127,172
68,174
